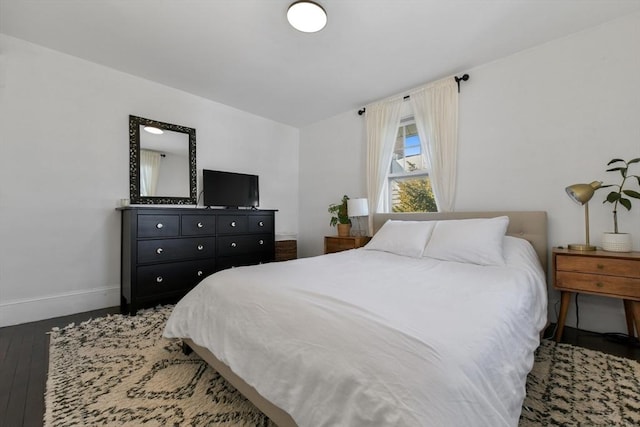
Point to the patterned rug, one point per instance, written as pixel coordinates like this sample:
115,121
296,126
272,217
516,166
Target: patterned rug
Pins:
119,371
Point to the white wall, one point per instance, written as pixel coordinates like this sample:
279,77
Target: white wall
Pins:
332,163
64,162
530,124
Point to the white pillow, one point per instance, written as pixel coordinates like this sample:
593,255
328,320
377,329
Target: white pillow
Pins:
475,241
407,238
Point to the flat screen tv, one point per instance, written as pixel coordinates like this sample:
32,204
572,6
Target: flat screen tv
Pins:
230,189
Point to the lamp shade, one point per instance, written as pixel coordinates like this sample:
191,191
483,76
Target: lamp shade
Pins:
307,16
357,207
582,193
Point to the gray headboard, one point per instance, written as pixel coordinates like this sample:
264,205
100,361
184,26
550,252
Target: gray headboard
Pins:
528,225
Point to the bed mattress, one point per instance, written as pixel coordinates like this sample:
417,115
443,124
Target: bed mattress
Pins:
364,338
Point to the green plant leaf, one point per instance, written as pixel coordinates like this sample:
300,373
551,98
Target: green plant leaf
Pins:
613,196
632,193
636,160
626,203
614,161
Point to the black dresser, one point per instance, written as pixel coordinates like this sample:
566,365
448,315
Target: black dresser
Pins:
167,251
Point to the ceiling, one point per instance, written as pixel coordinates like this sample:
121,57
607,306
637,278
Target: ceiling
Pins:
243,53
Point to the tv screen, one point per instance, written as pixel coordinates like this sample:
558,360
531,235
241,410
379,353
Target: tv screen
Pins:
230,189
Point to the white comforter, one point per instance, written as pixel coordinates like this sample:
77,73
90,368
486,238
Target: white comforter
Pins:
368,338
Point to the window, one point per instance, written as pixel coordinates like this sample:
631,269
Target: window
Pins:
409,186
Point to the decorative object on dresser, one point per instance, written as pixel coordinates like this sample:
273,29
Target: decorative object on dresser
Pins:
167,251
340,216
342,243
581,194
598,273
162,166
358,208
619,242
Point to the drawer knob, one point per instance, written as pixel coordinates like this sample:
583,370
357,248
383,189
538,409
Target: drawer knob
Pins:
599,284
200,225
600,266
261,242
233,223
159,225
200,247
159,251
261,224
233,244
159,279
199,273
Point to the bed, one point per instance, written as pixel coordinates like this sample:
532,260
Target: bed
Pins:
410,330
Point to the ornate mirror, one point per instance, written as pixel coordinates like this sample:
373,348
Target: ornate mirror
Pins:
162,163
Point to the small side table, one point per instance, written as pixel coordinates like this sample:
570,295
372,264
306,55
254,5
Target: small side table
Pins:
609,274
337,243
286,250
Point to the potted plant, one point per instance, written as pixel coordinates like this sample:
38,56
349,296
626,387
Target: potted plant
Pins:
619,242
340,217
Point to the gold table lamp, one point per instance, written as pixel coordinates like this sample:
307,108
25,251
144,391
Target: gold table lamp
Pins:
581,194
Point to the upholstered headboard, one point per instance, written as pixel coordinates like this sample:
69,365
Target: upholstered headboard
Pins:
528,225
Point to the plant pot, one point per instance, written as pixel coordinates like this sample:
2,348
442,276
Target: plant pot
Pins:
344,230
616,242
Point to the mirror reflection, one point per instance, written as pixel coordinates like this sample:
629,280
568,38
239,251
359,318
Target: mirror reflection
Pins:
162,162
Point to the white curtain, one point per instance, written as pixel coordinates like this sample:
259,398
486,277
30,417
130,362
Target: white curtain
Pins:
149,172
435,108
381,121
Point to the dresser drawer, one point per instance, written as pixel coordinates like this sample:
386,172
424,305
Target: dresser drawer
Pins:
158,225
226,262
260,223
598,265
154,280
163,250
231,224
238,245
198,225
621,287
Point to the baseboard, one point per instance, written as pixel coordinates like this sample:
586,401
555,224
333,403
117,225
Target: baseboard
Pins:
31,310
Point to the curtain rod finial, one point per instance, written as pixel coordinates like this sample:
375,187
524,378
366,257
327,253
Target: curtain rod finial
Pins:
464,77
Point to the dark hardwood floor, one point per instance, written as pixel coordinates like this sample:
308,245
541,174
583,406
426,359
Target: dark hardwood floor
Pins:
24,360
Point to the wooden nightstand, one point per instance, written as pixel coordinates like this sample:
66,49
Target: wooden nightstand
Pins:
609,274
336,243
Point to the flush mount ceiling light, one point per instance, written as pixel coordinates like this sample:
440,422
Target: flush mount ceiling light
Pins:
307,16
153,130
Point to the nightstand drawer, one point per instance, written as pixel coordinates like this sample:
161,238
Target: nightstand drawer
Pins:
621,287
598,265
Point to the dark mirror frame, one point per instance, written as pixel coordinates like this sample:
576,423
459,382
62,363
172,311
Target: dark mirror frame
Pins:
134,163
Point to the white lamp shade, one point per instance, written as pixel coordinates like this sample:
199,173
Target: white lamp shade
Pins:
307,16
357,207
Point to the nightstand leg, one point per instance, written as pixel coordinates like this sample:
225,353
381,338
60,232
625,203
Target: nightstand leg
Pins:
564,307
628,312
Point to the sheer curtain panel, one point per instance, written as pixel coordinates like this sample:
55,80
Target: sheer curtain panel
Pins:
381,121
435,108
149,172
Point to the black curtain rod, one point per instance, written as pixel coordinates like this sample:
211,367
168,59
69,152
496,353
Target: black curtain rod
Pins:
464,78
